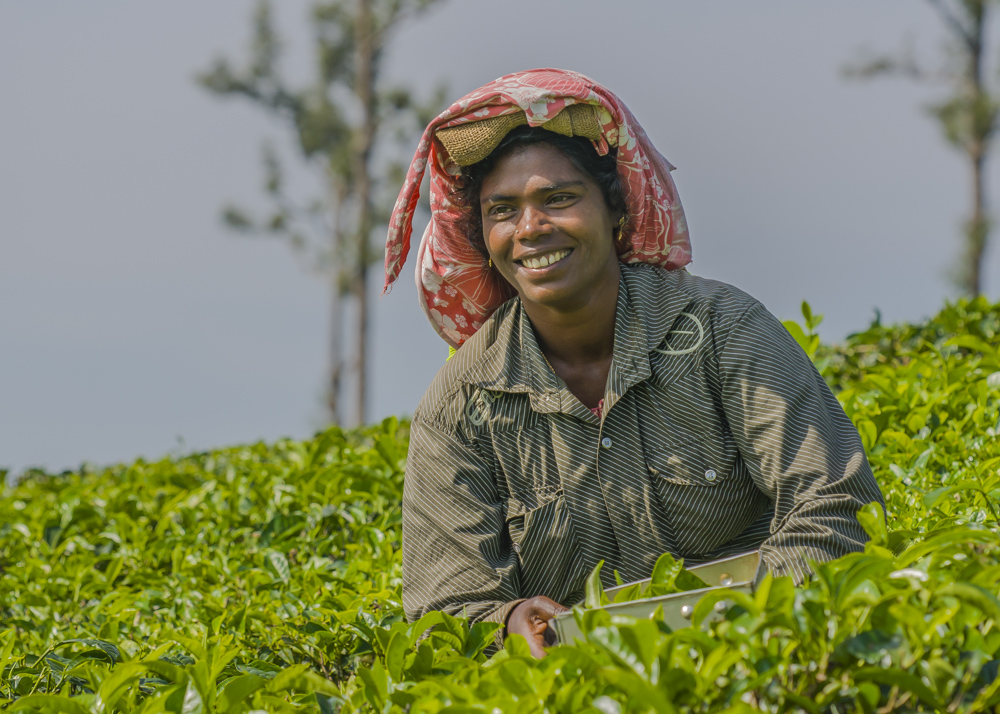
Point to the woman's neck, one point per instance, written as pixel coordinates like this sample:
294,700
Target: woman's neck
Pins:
578,341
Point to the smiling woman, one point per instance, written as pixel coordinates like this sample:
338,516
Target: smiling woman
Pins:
548,232
603,404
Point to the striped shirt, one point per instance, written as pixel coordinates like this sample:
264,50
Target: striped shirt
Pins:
717,436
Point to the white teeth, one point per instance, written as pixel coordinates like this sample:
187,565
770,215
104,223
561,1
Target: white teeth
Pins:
544,260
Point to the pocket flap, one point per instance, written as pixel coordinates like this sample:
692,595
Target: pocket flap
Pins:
524,502
693,465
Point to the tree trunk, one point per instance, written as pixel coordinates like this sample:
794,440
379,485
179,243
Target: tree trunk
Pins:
364,87
977,229
334,393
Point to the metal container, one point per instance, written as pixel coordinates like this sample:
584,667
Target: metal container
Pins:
740,573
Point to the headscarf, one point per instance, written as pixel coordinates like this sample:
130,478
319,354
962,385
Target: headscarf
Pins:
455,289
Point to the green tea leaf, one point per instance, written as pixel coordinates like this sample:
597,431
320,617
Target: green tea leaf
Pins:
234,695
868,433
904,680
375,685
47,704
279,564
974,596
395,654
796,331
594,589
872,519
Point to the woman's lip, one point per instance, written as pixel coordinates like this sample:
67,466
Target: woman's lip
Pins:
550,265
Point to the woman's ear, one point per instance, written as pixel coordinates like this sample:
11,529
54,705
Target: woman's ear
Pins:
618,233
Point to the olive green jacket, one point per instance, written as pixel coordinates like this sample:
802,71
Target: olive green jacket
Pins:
718,436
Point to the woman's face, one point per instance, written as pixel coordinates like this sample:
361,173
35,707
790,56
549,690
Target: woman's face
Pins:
547,227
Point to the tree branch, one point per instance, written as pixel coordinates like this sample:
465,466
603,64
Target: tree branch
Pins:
953,22
904,64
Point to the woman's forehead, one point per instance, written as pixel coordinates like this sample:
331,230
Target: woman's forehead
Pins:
530,168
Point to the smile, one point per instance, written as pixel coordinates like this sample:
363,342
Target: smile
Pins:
543,261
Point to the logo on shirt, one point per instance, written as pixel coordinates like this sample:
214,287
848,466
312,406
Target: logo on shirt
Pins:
478,408
686,337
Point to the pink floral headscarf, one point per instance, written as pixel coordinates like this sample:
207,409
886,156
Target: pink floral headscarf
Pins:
455,289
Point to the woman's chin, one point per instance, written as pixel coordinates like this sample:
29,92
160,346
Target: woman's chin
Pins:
569,288
562,295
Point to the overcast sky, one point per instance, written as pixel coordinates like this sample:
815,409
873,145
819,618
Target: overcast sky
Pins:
133,323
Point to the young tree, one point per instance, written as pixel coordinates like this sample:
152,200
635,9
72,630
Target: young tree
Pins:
339,120
968,116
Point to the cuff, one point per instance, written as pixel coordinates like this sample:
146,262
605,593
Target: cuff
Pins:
500,616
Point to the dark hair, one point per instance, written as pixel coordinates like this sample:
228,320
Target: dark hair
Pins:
603,170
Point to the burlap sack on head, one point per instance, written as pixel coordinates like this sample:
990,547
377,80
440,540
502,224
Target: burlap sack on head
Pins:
470,143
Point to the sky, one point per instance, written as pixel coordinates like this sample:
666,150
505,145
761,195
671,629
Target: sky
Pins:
134,323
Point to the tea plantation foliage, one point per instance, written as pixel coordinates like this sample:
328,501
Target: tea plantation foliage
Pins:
267,577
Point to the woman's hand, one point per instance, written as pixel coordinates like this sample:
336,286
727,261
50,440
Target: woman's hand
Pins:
531,619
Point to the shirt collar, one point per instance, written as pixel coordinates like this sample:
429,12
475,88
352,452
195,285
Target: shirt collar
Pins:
648,304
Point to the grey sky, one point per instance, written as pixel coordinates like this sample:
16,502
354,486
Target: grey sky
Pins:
130,318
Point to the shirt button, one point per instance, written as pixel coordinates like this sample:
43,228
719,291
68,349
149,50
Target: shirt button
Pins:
710,475
606,442
517,548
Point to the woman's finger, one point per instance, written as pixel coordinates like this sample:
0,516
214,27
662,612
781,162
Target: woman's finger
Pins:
549,636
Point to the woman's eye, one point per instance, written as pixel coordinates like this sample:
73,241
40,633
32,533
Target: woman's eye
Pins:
561,198
500,211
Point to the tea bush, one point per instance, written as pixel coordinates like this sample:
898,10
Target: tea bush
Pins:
267,577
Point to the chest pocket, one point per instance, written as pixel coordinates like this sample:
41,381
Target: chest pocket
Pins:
707,463
544,540
706,493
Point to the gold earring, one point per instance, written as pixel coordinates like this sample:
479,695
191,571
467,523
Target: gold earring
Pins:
491,262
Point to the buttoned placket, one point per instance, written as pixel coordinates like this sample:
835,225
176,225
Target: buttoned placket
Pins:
622,472
631,509
634,509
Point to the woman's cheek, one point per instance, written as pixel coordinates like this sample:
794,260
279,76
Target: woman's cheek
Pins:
500,239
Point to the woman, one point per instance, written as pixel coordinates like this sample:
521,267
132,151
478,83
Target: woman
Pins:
603,403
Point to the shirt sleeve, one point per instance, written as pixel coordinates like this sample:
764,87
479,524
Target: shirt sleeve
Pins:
800,447
457,554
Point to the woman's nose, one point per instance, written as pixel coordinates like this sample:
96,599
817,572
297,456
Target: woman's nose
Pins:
533,223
